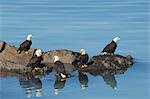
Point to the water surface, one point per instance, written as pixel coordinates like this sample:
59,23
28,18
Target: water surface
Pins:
89,24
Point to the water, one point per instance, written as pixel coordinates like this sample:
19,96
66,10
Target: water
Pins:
89,24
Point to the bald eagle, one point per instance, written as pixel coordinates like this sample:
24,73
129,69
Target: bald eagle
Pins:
111,47
83,58
35,61
25,46
60,68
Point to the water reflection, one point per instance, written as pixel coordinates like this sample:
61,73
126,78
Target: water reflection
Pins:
110,80
58,85
83,79
108,77
31,85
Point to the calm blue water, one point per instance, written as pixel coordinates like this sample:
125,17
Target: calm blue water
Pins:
75,24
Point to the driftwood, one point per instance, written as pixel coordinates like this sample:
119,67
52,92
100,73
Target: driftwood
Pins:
11,61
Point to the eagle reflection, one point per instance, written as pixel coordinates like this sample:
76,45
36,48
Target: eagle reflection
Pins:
83,79
31,85
58,85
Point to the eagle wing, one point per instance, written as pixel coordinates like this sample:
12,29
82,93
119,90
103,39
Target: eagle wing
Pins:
32,61
25,44
84,59
59,67
110,48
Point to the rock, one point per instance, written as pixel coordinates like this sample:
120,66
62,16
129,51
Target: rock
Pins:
115,64
10,60
66,56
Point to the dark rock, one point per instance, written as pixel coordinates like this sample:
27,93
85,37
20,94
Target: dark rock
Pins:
115,64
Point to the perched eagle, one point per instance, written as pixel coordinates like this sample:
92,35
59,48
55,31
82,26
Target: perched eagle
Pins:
35,61
60,68
25,46
83,58
111,47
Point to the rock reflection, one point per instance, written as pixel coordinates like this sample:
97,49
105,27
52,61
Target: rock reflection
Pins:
107,74
110,80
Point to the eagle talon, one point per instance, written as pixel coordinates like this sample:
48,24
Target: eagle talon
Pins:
26,52
37,68
84,66
18,51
